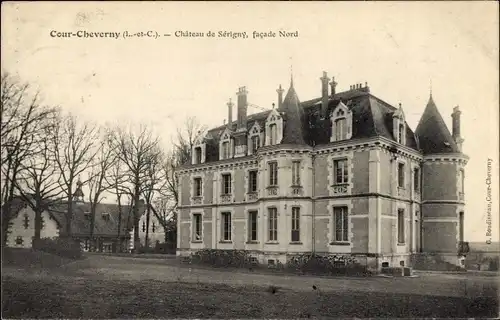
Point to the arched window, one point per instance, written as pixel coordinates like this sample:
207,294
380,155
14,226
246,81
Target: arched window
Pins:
341,123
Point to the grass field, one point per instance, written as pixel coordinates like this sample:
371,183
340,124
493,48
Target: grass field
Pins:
118,287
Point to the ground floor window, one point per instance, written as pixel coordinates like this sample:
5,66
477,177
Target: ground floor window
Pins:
341,226
226,226
273,224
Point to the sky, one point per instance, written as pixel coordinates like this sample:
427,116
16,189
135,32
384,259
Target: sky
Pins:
402,49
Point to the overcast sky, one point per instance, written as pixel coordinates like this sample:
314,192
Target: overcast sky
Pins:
398,48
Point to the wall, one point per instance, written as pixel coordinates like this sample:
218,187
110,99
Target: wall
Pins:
157,235
17,229
441,207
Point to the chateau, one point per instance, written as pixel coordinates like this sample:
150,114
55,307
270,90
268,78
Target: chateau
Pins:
339,174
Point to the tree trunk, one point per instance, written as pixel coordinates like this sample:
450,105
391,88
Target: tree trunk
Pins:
69,216
120,246
137,241
92,224
148,212
38,223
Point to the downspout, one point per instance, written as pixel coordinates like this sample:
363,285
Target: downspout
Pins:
216,209
313,202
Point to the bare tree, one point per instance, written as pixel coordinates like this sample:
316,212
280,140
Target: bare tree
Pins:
21,115
135,150
117,180
154,185
38,182
74,152
97,181
166,208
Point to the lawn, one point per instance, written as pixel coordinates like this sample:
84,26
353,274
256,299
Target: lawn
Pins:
72,297
107,287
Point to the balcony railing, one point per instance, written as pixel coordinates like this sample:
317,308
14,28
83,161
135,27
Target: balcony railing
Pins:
252,196
196,200
340,188
463,248
461,196
297,190
226,198
272,191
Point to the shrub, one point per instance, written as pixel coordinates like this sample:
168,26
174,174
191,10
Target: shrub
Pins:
62,247
325,265
222,258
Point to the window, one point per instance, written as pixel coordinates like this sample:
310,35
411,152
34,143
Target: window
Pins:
461,226
401,175
153,227
273,174
295,224
340,171
416,180
252,226
197,155
198,187
273,132
296,173
401,133
42,223
255,144
197,227
273,224
252,181
26,221
340,129
401,226
225,150
19,240
226,226
143,226
341,224
86,244
226,183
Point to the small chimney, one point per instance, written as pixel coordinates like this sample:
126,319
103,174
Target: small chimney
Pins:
455,116
242,108
333,84
229,113
280,97
324,93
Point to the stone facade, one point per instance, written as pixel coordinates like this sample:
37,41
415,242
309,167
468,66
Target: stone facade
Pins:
378,197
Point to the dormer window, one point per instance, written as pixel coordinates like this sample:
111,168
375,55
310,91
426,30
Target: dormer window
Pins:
254,139
341,119
273,134
399,127
197,155
274,128
226,145
198,152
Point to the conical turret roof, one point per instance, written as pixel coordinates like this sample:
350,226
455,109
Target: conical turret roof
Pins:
293,131
432,132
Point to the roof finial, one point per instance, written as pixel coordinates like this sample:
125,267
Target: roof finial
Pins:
430,87
291,72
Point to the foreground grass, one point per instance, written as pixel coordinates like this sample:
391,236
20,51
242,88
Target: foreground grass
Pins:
28,258
72,297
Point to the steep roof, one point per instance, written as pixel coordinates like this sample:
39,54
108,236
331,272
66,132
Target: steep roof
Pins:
106,219
293,130
371,117
433,134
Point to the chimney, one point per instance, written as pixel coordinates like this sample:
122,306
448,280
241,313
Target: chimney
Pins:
242,108
455,116
333,84
280,97
324,93
229,113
